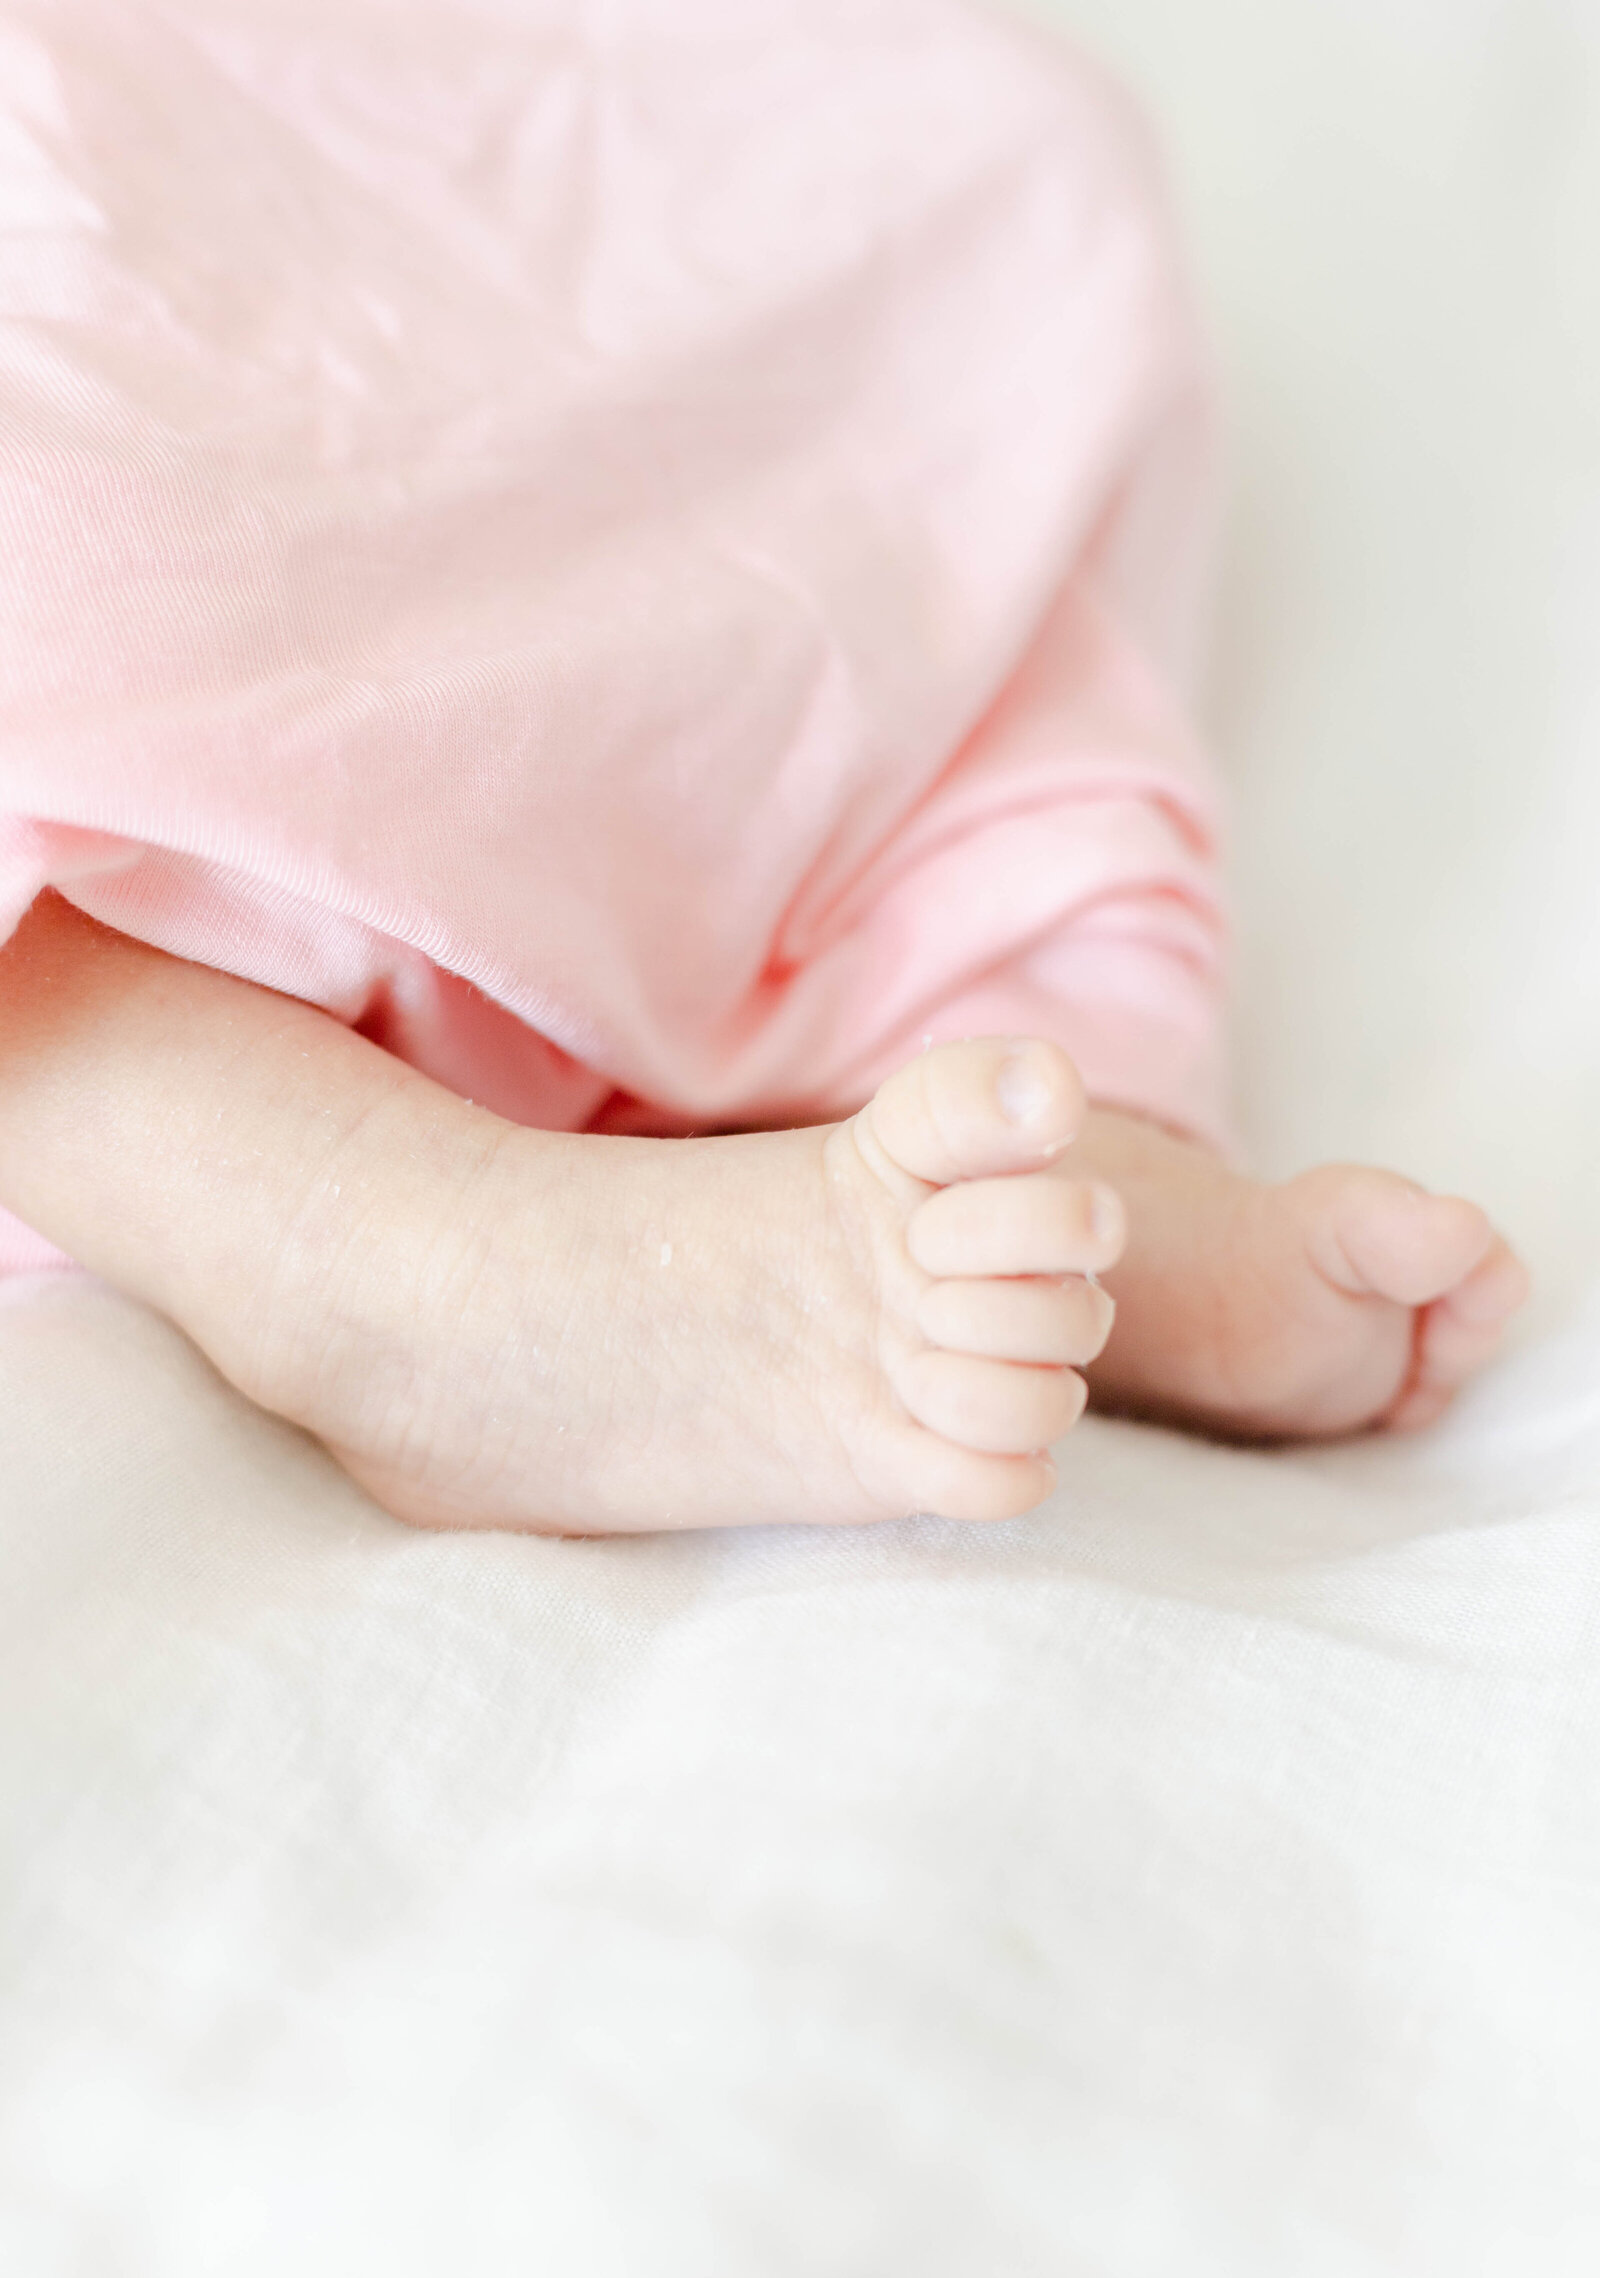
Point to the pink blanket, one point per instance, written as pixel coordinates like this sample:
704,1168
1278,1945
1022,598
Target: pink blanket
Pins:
638,551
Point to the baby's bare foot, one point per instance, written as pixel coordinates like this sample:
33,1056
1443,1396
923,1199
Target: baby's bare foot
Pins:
497,1326
1344,1299
837,1324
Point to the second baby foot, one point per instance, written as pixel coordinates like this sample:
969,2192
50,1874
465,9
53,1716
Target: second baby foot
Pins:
595,1334
1343,1300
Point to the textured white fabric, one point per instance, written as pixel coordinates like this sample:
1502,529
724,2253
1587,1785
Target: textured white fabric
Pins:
1201,1879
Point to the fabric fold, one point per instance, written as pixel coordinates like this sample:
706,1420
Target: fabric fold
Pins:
643,556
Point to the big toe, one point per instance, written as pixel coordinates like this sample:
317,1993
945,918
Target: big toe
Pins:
1375,1234
976,1109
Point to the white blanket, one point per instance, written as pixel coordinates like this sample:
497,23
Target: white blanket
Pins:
1201,1878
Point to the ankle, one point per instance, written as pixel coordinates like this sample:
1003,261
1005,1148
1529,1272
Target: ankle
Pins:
382,1233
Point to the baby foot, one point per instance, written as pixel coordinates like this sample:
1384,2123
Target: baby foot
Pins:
601,1333
1345,1299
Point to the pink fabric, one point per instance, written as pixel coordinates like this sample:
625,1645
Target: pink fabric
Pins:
638,550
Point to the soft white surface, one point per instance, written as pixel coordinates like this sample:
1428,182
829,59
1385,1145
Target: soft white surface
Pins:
1201,1878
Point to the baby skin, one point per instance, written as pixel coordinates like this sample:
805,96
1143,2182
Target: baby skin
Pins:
493,1326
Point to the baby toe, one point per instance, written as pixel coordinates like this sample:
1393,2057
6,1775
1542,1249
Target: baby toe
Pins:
961,1111
1375,1234
1042,1321
1418,1406
997,1407
1458,1333
1017,1226
954,1482
1496,1288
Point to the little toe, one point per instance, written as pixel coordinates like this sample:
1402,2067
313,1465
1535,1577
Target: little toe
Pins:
1375,1234
1059,1322
958,1483
1418,1406
997,1407
1018,1226
962,1111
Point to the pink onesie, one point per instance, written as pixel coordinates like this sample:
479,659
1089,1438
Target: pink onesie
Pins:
637,551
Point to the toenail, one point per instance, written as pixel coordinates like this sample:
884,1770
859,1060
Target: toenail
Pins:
1105,1214
1022,1087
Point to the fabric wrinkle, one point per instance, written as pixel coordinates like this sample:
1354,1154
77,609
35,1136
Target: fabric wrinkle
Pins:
638,559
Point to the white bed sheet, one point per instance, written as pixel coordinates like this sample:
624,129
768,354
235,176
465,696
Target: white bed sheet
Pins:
1202,1877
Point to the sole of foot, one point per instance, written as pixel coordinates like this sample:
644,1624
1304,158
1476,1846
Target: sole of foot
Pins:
839,1324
